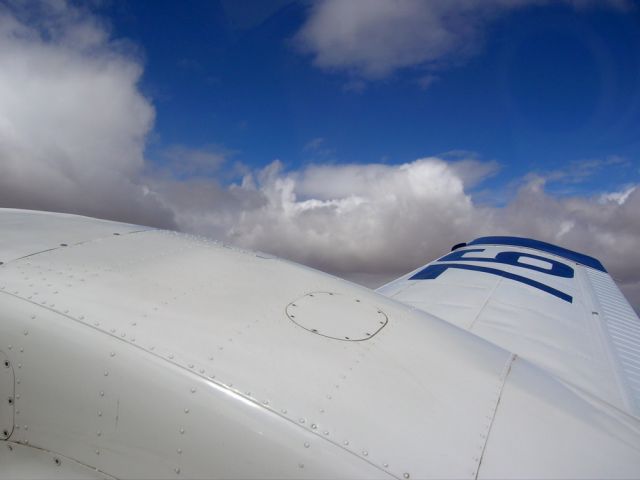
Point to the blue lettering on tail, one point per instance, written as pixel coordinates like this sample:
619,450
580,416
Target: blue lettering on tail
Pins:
557,269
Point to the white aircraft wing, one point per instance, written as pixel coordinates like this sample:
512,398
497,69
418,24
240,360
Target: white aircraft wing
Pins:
128,352
554,307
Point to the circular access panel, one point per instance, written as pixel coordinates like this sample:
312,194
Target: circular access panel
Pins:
337,316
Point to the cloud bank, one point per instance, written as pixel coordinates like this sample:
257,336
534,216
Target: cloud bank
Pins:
73,127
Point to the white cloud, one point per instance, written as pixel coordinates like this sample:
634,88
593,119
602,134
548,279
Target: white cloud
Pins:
73,122
374,38
384,220
619,197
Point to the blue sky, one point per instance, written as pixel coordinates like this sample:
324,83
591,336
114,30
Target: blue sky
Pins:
547,86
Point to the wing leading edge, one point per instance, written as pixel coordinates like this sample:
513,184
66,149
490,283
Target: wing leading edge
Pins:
557,308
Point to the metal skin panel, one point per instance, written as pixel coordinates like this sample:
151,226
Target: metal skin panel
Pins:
22,461
108,404
162,355
26,232
622,328
586,429
566,338
226,326
6,396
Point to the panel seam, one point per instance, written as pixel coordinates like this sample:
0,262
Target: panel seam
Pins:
494,410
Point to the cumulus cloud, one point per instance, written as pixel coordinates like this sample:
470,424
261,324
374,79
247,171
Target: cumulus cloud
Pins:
373,38
386,219
73,127
73,122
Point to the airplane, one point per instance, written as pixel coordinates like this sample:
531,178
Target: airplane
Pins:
134,352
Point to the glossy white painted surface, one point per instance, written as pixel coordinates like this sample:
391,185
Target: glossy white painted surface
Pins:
160,355
22,461
572,341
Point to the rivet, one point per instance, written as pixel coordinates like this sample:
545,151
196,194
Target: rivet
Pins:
26,332
171,356
385,465
112,354
181,430
365,453
301,420
191,365
326,432
57,461
113,330
99,413
284,411
301,465
21,350
96,324
33,317
406,475
99,433
97,452
201,370
19,365
307,444
179,451
106,373
313,426
193,390
265,402
186,410
101,393
177,470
